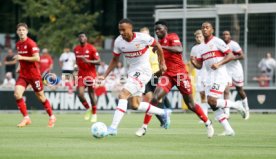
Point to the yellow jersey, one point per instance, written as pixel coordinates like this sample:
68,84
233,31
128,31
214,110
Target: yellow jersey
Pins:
153,58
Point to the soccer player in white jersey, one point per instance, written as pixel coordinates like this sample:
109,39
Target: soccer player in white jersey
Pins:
235,71
134,46
215,54
201,74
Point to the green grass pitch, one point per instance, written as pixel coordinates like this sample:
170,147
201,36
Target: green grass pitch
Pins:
186,139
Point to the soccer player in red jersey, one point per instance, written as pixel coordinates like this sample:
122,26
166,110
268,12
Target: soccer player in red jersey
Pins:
175,75
28,57
86,58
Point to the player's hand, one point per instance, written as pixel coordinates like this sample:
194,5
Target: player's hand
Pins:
84,59
154,49
163,67
215,66
17,57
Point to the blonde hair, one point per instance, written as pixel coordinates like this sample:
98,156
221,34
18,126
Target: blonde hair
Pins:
145,30
197,32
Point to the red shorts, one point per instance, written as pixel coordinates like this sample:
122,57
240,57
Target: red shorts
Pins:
86,81
36,84
182,81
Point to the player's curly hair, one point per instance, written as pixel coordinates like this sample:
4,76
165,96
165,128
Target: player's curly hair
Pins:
161,22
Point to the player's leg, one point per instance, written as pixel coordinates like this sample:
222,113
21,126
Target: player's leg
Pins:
18,93
215,92
80,94
204,105
243,96
93,100
164,86
119,112
238,81
47,106
226,94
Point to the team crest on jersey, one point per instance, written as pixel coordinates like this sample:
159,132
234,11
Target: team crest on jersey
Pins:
137,46
211,46
261,98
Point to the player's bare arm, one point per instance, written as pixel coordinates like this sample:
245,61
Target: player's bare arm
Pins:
239,56
174,49
196,63
161,59
34,58
225,60
95,62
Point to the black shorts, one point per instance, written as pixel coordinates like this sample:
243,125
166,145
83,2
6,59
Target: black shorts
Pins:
151,85
67,71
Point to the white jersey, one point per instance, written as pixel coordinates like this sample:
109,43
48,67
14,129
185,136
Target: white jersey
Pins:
212,52
234,67
137,54
68,61
136,51
236,49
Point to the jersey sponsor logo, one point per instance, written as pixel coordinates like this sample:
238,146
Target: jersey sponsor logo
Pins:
25,46
35,49
80,56
212,54
23,52
87,51
135,53
97,54
176,41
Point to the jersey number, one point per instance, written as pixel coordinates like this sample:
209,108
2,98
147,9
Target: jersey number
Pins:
136,75
37,85
215,86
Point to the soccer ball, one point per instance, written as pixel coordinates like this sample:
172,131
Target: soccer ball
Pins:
98,130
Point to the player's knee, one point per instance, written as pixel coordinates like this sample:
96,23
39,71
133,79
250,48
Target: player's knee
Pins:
17,95
212,102
134,106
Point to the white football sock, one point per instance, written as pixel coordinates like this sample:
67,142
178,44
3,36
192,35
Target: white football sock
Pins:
222,103
144,106
119,113
227,112
245,103
222,118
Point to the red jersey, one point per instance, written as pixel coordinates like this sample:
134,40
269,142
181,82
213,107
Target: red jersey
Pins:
45,62
28,69
173,61
89,52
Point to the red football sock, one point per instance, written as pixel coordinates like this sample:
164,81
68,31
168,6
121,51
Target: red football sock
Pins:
94,109
147,118
199,112
85,104
22,106
47,107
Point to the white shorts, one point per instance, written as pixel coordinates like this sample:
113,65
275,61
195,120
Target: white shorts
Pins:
215,90
235,72
136,82
237,78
